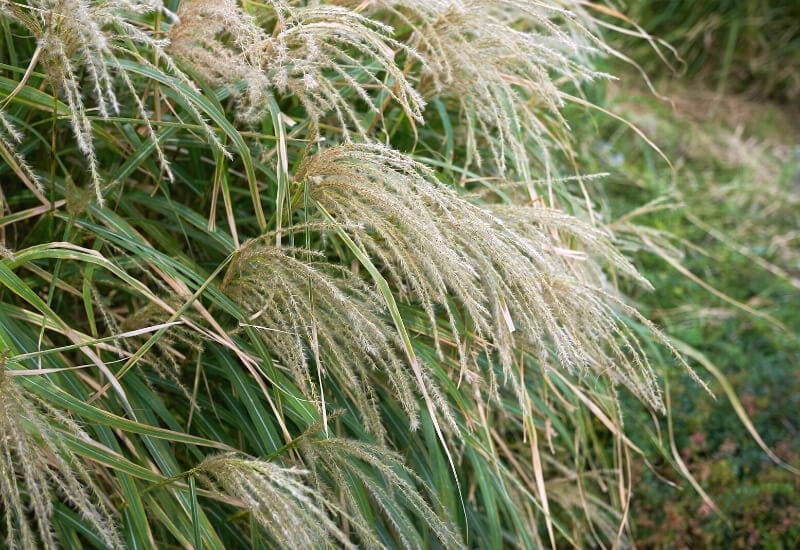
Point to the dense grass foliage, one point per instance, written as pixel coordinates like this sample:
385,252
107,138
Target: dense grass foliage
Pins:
306,274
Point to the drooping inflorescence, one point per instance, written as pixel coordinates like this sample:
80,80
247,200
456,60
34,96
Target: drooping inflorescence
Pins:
504,64
80,46
518,284
327,57
35,463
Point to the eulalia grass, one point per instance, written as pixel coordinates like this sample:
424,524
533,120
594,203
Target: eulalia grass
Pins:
303,274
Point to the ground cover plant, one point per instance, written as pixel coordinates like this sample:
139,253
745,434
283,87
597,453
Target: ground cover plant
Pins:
725,273
724,220
300,274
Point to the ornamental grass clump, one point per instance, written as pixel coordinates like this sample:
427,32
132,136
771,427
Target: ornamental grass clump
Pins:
295,274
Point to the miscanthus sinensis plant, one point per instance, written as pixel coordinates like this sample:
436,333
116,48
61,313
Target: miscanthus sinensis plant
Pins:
308,274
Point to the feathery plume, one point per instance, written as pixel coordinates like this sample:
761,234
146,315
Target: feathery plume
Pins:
34,453
500,62
515,279
77,36
293,514
328,57
223,43
314,320
334,461
9,137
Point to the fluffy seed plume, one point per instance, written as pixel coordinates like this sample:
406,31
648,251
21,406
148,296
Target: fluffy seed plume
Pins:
316,321
9,138
334,461
500,61
223,43
328,57
80,43
34,460
516,280
293,514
